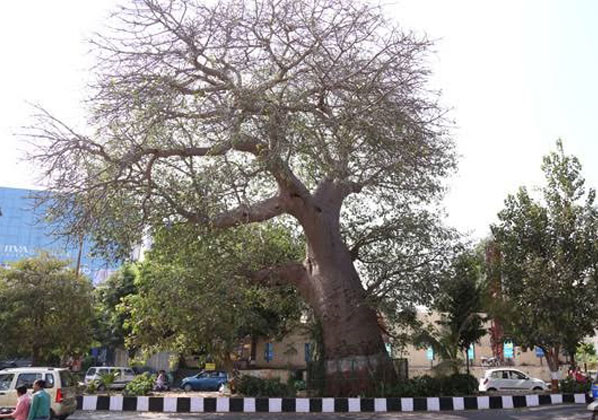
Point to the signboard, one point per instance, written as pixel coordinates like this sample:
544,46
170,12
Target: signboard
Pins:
470,352
508,349
210,366
539,352
430,353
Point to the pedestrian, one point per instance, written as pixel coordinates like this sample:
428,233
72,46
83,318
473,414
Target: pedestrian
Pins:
23,403
161,382
40,403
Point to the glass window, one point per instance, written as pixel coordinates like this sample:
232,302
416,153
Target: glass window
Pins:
66,379
5,381
496,375
307,352
27,379
49,380
505,375
102,371
91,371
269,352
518,375
129,372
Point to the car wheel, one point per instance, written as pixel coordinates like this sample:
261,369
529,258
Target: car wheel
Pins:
188,388
537,388
491,390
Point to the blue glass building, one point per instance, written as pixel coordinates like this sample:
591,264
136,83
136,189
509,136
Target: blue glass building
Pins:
22,235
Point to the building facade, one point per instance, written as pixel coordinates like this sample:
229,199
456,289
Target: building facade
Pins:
23,235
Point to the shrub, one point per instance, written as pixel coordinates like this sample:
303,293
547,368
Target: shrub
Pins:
91,388
141,385
571,386
251,386
428,386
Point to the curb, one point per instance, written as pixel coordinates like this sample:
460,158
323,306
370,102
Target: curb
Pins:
320,405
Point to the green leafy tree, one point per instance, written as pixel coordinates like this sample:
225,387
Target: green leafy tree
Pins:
460,305
232,112
110,321
194,291
586,354
549,261
460,301
45,310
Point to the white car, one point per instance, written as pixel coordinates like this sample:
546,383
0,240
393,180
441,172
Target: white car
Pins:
508,379
61,386
124,375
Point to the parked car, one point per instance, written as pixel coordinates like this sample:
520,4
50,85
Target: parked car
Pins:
124,375
594,389
205,381
60,384
510,380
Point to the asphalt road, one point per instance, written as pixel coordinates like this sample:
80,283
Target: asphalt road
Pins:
568,412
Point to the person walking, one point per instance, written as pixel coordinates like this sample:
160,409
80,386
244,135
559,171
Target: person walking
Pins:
40,403
22,408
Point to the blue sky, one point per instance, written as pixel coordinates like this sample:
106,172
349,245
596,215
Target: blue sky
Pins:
516,75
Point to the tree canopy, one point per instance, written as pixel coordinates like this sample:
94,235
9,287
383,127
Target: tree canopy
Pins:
195,295
459,303
220,114
549,260
109,325
45,310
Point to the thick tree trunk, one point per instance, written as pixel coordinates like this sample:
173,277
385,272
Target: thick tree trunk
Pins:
356,361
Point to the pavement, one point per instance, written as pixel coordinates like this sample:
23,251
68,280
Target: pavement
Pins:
566,412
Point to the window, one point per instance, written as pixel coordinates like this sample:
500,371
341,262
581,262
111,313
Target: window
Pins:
102,371
27,379
5,381
66,379
517,375
269,352
307,352
91,371
49,380
496,375
505,374
129,372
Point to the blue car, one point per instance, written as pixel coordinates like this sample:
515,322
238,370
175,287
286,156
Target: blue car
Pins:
205,381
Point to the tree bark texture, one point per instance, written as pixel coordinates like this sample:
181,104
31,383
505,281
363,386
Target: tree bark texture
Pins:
355,357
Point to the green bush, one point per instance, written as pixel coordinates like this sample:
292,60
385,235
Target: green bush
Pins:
251,386
428,386
141,385
571,386
91,388
300,385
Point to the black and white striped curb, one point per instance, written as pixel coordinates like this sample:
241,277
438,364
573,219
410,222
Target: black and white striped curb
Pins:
320,405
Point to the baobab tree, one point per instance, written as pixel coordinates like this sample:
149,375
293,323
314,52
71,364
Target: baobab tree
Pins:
226,113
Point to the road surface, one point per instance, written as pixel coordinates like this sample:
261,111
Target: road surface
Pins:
566,412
